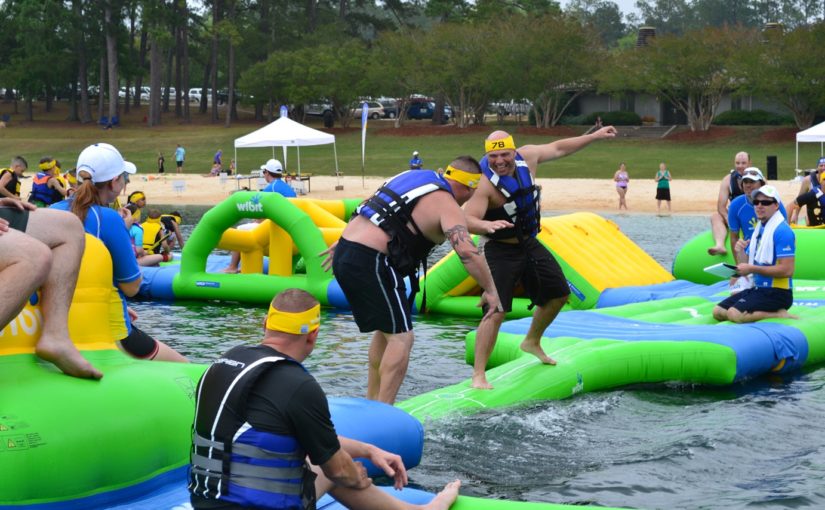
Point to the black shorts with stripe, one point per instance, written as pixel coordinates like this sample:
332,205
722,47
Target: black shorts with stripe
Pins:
375,291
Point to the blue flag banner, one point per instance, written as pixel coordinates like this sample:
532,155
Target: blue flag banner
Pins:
284,111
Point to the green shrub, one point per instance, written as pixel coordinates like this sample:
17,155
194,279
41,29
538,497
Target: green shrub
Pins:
751,118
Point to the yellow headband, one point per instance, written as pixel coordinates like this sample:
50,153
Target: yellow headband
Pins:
460,176
499,145
296,323
134,197
48,165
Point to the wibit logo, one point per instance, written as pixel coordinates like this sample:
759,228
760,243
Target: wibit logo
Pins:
253,205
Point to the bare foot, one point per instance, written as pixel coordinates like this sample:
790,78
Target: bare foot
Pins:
66,357
783,314
230,270
444,499
480,382
536,350
717,250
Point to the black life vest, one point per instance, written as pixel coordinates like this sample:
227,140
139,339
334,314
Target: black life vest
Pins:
522,204
390,208
230,459
735,185
13,186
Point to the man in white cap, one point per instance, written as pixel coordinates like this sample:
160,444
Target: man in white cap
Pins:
770,257
416,163
273,173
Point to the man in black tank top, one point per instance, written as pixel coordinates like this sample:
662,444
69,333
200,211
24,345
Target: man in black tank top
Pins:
727,192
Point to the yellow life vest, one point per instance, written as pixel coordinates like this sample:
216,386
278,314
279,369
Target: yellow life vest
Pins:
152,235
14,179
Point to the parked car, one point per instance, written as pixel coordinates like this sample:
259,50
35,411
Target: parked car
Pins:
425,110
374,110
390,108
318,109
195,95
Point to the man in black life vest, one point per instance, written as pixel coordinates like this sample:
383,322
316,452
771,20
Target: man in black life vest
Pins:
729,188
260,415
506,209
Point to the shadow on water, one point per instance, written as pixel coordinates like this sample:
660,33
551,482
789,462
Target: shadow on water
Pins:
753,444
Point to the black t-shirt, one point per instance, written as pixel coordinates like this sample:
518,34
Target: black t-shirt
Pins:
815,210
288,400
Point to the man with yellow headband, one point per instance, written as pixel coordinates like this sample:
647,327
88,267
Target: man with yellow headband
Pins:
138,198
47,185
506,209
812,197
259,407
387,239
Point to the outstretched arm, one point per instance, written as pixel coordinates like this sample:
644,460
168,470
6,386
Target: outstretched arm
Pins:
535,154
476,207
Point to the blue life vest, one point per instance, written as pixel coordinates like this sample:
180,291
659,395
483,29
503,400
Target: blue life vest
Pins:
390,208
41,192
735,185
231,460
522,205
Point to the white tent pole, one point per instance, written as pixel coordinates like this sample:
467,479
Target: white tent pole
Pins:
286,154
236,161
335,151
298,149
797,154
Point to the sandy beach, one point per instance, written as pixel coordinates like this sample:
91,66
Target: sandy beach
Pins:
596,195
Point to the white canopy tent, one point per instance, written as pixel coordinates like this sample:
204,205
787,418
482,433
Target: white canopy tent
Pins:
285,132
812,134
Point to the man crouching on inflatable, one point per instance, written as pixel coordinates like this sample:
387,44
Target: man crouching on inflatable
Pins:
259,407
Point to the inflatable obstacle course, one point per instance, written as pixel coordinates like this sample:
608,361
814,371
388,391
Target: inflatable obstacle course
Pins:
669,340
592,252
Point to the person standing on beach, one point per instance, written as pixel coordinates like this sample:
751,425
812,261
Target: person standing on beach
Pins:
621,177
506,209
161,161
729,188
662,187
388,238
180,156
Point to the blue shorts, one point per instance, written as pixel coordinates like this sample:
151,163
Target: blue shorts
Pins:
759,299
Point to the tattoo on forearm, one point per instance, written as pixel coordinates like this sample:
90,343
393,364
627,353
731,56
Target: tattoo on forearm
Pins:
458,235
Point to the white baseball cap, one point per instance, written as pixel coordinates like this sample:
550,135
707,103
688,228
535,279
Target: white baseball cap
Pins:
767,190
273,166
753,174
415,153
103,162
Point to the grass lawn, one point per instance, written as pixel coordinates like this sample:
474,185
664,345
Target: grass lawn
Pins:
387,153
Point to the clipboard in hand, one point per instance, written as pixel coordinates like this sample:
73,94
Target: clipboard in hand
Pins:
723,270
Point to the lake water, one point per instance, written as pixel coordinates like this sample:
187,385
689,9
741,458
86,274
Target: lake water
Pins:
757,444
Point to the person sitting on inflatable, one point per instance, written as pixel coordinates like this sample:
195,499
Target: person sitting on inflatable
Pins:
48,185
101,171
40,248
769,256
256,455
138,198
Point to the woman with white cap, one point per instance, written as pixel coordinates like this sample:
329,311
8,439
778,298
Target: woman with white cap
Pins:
102,171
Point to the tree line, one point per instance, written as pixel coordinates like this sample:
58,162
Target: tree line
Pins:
465,54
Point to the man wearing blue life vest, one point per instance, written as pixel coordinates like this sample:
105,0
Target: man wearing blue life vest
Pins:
41,249
263,437
506,209
387,239
273,173
812,197
769,256
416,163
729,188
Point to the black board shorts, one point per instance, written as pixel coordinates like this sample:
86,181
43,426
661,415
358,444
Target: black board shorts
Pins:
663,194
375,291
18,219
528,263
759,299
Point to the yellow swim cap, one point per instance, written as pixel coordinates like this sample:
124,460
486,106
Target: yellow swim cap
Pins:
296,323
137,195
